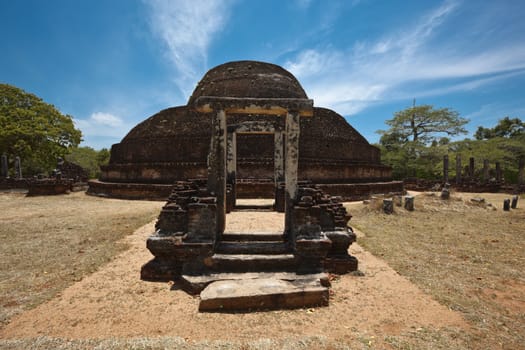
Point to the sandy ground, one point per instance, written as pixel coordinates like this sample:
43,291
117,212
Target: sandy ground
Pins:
114,302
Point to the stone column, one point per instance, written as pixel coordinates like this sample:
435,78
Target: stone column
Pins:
4,167
18,168
486,170
231,165
445,168
471,168
278,157
514,203
217,166
506,204
458,169
291,165
499,176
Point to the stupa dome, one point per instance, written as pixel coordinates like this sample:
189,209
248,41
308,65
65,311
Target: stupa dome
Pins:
248,79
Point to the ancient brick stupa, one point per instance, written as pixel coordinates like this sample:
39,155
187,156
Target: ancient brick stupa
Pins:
173,145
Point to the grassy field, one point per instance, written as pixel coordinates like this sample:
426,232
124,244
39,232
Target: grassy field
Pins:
48,243
468,256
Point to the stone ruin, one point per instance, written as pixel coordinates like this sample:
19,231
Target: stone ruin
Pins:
173,145
251,271
470,179
66,177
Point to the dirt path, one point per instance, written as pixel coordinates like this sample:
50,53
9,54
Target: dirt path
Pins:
114,302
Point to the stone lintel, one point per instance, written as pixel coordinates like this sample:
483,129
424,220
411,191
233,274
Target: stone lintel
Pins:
269,106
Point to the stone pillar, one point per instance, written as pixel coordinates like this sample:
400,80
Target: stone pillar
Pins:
217,166
499,176
521,165
4,167
278,164
458,169
291,166
445,168
388,206
486,175
231,166
409,203
278,157
514,203
506,204
18,168
471,168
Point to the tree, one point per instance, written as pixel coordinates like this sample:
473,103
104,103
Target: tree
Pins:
414,145
423,124
506,127
34,130
89,159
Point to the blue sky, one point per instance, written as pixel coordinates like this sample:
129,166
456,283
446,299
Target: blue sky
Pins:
112,64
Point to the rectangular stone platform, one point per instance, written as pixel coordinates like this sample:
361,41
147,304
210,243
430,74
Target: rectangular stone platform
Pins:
262,294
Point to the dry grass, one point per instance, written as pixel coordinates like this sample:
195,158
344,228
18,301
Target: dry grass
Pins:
48,243
468,256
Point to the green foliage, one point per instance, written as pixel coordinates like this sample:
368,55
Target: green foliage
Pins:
89,159
423,124
413,148
34,130
414,145
506,127
506,151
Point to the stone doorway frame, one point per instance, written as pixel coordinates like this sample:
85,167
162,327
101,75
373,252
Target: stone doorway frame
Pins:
253,127
220,165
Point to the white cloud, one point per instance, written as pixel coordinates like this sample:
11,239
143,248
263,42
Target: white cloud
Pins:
384,69
187,27
106,119
102,124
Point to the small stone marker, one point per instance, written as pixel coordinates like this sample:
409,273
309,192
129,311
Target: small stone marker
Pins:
514,203
388,206
409,203
506,204
445,192
4,167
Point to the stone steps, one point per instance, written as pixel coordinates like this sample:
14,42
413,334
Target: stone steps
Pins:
253,237
253,262
254,248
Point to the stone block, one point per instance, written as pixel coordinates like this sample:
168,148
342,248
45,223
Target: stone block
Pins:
262,294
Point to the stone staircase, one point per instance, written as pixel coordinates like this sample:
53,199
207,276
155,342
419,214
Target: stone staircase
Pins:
255,271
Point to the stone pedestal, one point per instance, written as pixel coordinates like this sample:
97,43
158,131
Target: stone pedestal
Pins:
409,203
388,206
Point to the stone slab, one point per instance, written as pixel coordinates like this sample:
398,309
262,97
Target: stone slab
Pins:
261,294
195,284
